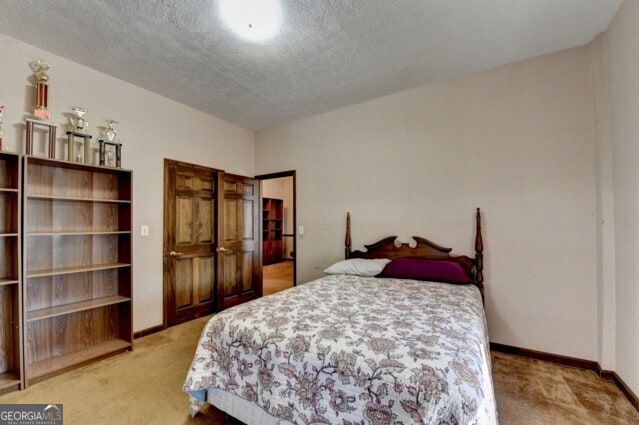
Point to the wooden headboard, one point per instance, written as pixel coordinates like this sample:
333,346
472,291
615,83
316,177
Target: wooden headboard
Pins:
386,248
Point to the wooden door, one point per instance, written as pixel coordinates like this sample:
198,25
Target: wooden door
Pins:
239,252
189,241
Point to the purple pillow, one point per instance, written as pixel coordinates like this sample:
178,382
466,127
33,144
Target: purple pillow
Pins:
420,269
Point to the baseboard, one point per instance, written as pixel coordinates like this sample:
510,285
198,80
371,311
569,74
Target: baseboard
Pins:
148,331
549,357
611,375
571,361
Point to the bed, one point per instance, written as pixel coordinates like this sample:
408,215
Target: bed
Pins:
385,338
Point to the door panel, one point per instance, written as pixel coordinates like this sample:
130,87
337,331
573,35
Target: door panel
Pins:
247,270
231,220
204,225
206,279
248,229
184,226
183,281
239,253
190,241
230,273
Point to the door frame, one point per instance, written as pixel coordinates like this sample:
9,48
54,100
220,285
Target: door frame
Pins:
168,194
291,173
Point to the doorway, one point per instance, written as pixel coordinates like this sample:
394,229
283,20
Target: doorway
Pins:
279,245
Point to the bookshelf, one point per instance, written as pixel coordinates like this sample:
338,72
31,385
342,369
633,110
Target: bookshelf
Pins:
11,360
272,222
77,265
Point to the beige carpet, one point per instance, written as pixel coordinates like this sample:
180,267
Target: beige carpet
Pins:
140,387
145,387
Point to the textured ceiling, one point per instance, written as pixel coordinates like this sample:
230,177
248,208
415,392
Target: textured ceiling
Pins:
329,53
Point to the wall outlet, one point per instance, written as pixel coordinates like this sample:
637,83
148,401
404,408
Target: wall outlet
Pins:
144,230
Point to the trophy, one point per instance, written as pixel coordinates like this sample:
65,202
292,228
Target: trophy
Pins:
78,128
107,157
40,69
1,125
41,116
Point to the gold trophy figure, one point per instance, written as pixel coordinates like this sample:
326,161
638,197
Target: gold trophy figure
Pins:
110,131
76,119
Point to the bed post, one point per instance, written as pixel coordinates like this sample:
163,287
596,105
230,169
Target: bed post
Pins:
347,240
479,254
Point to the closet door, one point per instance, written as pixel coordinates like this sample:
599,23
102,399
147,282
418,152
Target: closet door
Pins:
238,246
190,242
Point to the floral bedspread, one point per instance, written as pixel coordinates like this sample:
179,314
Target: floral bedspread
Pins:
352,350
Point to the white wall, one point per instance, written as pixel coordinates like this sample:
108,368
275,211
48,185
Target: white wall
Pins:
151,127
622,45
516,141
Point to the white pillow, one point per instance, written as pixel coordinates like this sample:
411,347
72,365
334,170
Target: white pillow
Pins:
358,267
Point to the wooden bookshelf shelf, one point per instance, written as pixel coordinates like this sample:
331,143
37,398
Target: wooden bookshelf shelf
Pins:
74,307
59,164
69,270
47,215
9,381
5,281
75,199
8,190
58,364
36,234
53,179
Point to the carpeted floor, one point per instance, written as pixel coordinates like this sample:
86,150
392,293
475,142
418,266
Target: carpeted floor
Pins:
532,392
145,387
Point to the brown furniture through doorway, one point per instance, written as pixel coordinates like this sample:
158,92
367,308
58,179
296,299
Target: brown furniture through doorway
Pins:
272,222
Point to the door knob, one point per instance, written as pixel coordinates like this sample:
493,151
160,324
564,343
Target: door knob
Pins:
222,249
175,254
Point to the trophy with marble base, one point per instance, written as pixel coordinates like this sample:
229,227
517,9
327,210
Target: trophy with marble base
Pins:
107,157
78,127
41,116
40,69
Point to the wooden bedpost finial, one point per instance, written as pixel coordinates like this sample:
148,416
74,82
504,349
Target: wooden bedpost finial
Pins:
347,240
479,250
479,243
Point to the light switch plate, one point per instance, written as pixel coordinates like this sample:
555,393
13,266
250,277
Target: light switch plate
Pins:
300,230
144,230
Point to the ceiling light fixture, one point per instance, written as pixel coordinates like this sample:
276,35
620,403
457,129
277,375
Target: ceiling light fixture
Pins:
254,20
